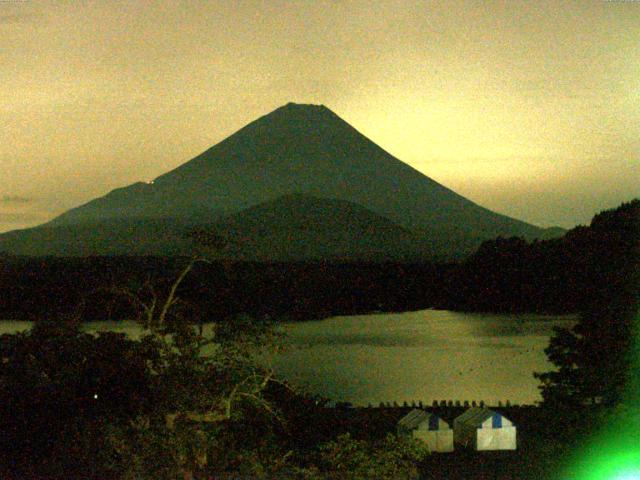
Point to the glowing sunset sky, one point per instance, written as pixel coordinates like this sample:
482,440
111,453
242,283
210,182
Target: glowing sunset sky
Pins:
529,109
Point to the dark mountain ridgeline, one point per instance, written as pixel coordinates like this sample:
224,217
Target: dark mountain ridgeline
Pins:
585,270
72,387
92,288
296,227
124,236
296,149
596,360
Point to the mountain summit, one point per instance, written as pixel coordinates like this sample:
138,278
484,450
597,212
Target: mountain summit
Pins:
296,149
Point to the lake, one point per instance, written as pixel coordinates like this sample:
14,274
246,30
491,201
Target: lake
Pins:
424,355
414,356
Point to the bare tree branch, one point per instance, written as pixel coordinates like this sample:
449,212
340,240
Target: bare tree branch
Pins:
171,298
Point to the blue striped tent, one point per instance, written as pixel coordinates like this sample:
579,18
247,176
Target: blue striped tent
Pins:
429,428
484,429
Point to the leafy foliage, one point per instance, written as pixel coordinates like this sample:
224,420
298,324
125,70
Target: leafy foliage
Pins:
593,358
59,387
394,458
205,378
184,400
562,275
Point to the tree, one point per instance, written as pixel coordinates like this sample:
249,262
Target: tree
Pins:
59,388
213,415
393,458
593,358
205,378
185,400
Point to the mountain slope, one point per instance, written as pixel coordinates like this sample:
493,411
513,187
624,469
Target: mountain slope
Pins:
125,236
298,227
304,149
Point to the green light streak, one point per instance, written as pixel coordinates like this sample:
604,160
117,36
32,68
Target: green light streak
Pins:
614,453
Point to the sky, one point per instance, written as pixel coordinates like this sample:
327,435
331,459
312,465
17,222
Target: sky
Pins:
531,109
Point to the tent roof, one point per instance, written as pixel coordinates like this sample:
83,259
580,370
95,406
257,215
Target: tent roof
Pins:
414,418
476,416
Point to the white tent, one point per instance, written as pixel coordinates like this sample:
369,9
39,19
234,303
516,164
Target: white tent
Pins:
429,428
484,429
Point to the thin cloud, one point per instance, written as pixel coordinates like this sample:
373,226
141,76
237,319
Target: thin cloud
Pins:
15,199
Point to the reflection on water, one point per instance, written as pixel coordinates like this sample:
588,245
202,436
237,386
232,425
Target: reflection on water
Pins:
411,356
415,356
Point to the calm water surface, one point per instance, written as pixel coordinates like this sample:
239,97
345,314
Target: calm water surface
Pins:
423,355
413,356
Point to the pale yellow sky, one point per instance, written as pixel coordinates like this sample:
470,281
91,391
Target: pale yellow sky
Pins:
531,109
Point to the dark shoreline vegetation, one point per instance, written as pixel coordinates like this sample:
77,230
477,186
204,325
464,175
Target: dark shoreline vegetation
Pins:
77,405
505,275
